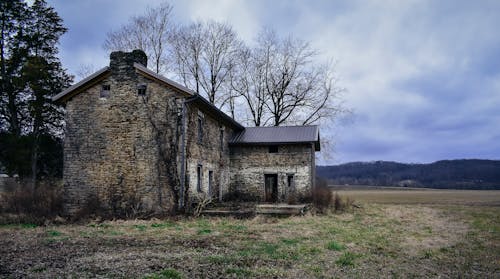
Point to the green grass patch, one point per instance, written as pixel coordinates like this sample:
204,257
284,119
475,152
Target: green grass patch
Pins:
140,227
54,233
346,259
168,273
28,226
204,231
335,246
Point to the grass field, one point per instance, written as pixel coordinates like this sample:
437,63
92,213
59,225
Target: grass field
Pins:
392,195
398,234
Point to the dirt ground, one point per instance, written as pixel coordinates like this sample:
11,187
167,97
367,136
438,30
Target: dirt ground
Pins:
377,240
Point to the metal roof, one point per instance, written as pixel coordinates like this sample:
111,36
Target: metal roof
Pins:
278,135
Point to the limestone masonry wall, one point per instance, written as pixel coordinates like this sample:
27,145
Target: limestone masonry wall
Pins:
249,164
207,154
111,148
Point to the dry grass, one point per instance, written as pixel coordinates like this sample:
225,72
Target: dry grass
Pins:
427,196
378,240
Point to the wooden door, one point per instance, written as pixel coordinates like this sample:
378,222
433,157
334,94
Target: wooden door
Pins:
271,187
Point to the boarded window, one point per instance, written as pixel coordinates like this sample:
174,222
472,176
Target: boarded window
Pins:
273,149
199,178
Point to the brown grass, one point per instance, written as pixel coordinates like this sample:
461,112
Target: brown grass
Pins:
447,240
428,196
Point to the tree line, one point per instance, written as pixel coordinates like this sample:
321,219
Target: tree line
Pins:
30,74
274,80
452,174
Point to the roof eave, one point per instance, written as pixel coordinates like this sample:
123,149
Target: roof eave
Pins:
147,72
69,92
225,117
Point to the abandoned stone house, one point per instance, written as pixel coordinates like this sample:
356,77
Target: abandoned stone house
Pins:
136,138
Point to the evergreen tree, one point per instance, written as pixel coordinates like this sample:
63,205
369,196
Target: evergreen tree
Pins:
36,77
13,19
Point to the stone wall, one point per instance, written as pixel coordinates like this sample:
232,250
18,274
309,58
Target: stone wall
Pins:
207,153
122,149
249,164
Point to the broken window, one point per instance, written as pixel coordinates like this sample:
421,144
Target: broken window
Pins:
141,89
273,149
199,173
105,89
291,182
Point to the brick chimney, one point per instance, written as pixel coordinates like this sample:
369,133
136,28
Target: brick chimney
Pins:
122,63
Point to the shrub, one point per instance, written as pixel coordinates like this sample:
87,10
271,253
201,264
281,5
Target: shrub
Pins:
322,196
33,204
324,200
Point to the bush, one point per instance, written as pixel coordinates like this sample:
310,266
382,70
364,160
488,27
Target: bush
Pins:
324,200
33,204
322,196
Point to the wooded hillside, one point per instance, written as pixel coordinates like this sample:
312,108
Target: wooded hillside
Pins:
447,174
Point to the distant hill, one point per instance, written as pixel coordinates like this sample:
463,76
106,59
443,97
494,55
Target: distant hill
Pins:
447,174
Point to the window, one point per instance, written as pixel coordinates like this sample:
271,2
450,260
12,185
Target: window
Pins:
273,149
200,128
221,138
199,174
141,89
105,89
210,183
291,182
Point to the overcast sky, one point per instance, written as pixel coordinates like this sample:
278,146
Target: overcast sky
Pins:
422,77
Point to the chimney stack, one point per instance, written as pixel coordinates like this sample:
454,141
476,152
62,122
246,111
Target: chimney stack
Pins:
122,63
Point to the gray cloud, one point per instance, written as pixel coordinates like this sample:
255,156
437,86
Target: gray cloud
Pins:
423,77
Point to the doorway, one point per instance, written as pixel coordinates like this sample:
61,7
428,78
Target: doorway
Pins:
271,187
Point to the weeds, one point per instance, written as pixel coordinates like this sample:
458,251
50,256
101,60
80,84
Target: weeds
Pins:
33,204
335,246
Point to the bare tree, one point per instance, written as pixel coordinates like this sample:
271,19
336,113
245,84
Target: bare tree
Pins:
149,32
284,85
248,82
205,55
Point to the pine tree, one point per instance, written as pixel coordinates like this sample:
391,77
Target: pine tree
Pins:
31,74
43,76
13,19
